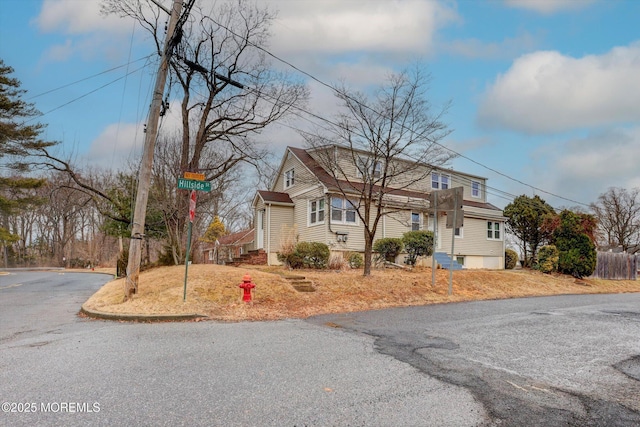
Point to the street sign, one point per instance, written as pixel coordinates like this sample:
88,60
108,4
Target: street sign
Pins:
192,184
459,219
194,175
446,199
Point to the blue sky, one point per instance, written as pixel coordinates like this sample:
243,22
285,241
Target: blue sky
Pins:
545,93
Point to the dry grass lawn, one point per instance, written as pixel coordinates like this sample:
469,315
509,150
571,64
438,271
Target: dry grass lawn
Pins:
213,290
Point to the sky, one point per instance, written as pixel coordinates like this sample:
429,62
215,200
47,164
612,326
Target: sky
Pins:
545,94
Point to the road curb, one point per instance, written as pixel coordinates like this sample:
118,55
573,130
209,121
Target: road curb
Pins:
149,318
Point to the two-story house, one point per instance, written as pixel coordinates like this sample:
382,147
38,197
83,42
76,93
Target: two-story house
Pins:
318,206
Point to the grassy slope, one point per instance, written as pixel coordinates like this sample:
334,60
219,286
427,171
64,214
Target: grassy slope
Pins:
213,290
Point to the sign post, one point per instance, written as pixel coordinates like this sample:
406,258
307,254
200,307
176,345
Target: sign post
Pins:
449,201
194,182
192,215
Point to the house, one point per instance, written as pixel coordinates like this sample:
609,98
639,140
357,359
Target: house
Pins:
307,203
228,247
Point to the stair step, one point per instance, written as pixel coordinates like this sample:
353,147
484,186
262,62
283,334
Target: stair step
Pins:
445,261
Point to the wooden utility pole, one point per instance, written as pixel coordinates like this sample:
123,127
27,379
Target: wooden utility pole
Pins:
144,176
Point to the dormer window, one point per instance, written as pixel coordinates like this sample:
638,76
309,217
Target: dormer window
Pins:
440,181
475,189
368,168
289,178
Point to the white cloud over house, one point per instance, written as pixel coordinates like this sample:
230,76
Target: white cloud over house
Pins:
548,6
546,92
336,26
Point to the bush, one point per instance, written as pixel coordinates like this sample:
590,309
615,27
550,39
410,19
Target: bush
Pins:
337,261
577,251
355,260
510,259
578,258
388,248
307,255
417,243
548,259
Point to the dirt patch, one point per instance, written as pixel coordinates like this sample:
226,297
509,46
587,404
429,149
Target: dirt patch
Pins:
213,290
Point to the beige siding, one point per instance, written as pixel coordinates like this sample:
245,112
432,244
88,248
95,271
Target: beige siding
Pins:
302,177
280,219
306,232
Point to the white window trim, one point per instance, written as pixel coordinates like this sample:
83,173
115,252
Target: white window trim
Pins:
324,209
344,210
479,195
289,180
461,235
440,176
493,231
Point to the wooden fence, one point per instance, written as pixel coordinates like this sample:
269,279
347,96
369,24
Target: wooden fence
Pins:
616,266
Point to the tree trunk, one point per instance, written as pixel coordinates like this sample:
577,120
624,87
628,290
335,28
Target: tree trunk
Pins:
368,254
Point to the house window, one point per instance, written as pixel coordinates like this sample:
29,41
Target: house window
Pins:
460,260
343,211
289,178
316,212
415,221
439,181
475,189
493,230
368,168
459,232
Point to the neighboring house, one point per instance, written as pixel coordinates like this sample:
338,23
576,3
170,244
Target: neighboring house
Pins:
304,203
228,247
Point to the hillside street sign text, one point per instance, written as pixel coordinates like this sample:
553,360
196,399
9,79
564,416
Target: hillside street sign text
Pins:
192,184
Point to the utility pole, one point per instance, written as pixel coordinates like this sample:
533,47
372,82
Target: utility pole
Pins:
144,177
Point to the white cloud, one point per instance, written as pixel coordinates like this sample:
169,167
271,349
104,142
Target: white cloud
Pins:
78,17
60,52
546,92
336,26
116,145
583,168
548,6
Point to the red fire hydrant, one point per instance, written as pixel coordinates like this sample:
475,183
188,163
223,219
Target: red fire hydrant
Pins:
247,288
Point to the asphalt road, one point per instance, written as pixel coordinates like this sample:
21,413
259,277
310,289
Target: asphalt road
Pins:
544,361
553,361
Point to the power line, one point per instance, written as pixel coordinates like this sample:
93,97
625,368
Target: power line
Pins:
84,95
89,77
346,95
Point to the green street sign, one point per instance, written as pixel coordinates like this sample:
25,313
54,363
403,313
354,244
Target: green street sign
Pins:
192,184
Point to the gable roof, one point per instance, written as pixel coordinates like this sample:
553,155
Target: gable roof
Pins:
275,197
238,238
333,184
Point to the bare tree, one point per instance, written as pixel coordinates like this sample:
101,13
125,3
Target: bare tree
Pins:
219,70
393,141
618,214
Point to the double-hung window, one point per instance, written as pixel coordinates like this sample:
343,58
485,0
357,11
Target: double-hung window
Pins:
316,211
343,211
368,168
493,230
475,189
289,178
440,181
415,221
